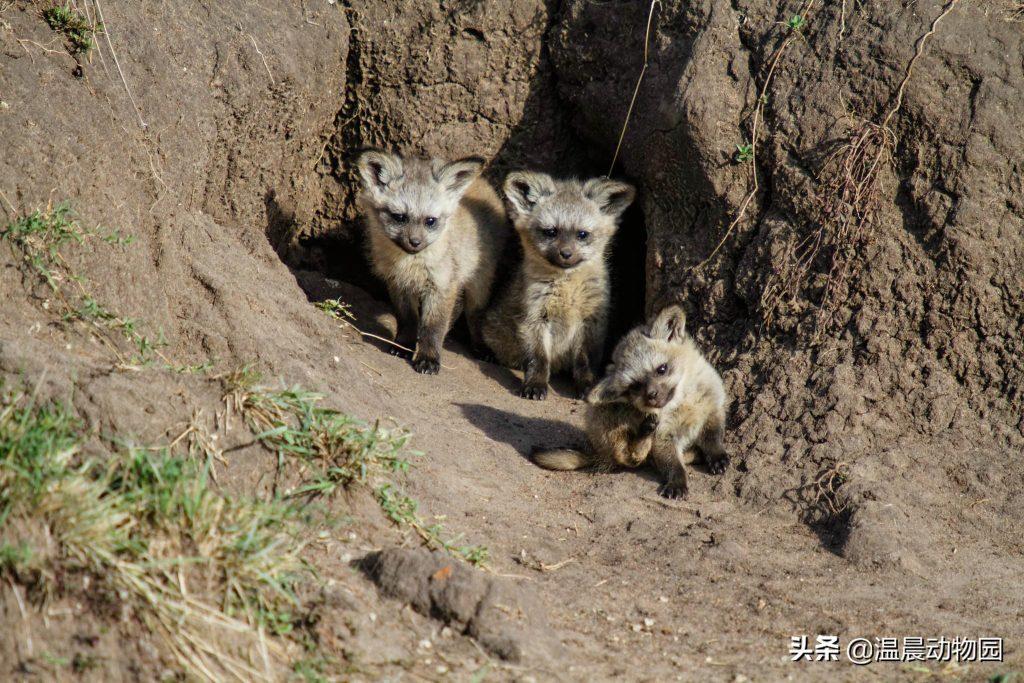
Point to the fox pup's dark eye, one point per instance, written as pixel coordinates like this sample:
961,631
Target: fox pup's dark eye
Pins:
662,369
400,217
583,234
430,221
548,232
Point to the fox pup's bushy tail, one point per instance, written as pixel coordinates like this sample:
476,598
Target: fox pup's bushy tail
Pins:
561,459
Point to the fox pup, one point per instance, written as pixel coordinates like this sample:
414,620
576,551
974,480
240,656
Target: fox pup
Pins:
659,399
435,233
554,313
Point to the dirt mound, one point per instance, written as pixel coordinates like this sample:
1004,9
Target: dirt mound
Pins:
504,618
877,487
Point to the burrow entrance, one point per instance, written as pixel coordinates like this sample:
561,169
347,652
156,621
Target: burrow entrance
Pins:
337,252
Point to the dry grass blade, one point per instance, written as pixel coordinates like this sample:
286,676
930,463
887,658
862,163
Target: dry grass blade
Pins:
117,63
639,80
341,312
755,130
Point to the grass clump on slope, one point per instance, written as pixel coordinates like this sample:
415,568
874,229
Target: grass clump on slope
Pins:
193,564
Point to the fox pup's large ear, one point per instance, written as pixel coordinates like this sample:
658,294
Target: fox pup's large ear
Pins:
378,168
607,390
455,176
669,325
611,196
525,189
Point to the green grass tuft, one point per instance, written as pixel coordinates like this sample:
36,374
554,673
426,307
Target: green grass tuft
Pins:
744,153
151,532
39,238
334,450
74,26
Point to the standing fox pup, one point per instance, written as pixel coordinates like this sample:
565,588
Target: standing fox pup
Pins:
659,399
554,313
435,232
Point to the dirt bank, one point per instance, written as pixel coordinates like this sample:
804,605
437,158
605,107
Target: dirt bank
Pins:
877,446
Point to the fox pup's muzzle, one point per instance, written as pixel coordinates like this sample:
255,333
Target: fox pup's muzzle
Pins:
411,245
564,258
658,397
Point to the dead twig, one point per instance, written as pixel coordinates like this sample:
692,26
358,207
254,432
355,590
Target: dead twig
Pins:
636,90
260,53
117,63
758,118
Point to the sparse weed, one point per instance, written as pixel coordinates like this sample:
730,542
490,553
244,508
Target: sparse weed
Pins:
38,238
337,448
74,26
146,526
83,662
14,555
336,308
334,450
341,312
1007,677
744,153
748,151
403,510
313,668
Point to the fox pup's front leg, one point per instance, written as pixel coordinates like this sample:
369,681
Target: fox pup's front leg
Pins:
536,367
666,456
434,321
408,323
588,355
710,443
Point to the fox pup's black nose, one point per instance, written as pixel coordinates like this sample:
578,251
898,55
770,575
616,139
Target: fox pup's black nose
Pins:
415,241
652,394
565,254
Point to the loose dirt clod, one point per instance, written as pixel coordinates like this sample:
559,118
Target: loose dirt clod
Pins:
502,617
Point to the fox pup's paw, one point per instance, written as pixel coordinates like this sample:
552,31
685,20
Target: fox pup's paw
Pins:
534,392
401,353
648,426
427,366
719,464
674,490
584,383
582,389
484,354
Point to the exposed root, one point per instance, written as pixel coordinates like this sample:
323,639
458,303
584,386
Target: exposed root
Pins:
757,119
825,489
848,201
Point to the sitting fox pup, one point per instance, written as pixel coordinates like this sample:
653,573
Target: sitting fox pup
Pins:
659,399
435,232
554,313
